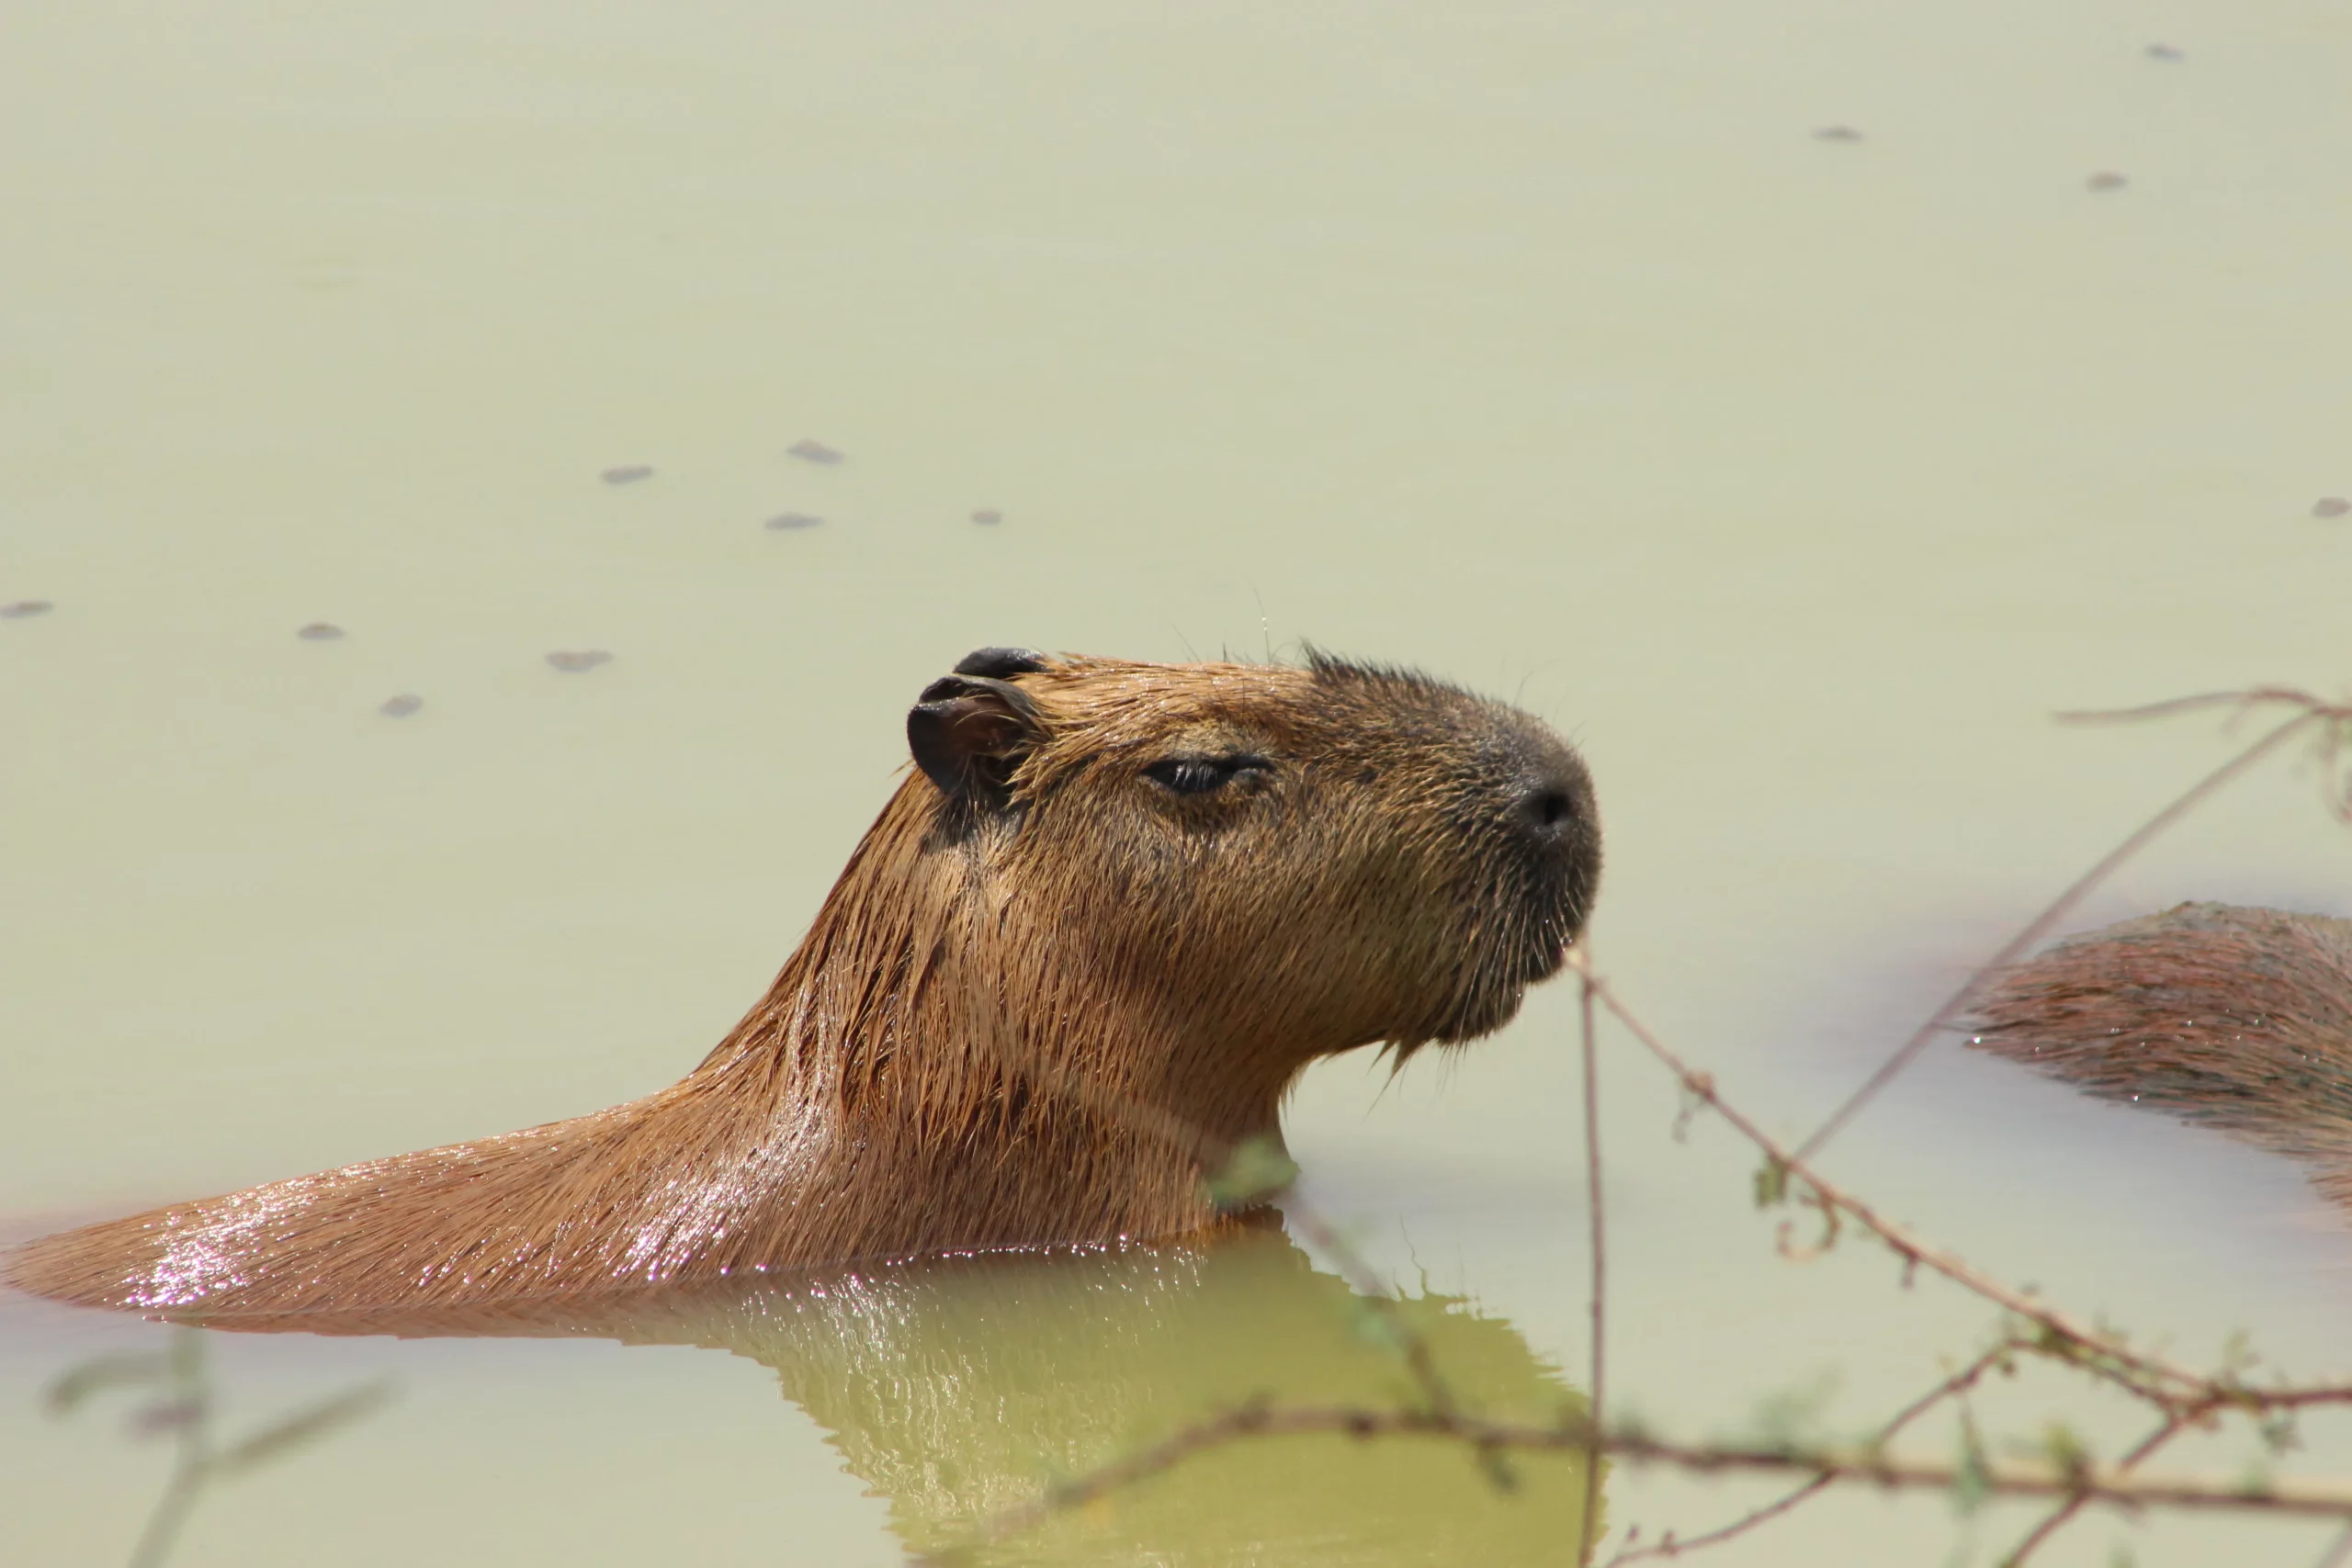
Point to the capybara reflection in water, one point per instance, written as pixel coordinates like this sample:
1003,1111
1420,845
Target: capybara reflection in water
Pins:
2237,1018
1092,939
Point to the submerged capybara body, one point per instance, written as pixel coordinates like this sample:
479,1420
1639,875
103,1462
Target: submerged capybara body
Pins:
2237,1018
1079,958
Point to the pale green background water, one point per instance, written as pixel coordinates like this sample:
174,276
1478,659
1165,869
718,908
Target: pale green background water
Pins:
1543,345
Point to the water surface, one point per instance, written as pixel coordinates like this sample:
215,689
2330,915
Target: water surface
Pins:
1798,479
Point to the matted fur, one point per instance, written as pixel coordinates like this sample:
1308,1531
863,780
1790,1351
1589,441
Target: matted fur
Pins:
2237,1018
1028,1021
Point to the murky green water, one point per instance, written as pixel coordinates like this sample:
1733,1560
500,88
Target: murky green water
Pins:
1798,479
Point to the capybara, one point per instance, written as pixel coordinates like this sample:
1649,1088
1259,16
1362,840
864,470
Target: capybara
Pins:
1094,936
2237,1018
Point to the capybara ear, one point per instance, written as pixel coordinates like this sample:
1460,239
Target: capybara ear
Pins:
1002,663
967,733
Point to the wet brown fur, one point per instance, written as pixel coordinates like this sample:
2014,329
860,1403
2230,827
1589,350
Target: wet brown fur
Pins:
1026,1018
2240,1019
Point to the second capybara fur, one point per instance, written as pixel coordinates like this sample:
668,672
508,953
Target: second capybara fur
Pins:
1094,936
2237,1018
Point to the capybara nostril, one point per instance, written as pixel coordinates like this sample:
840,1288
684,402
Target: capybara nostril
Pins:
1546,808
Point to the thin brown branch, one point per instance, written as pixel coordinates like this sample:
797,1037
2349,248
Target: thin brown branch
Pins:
1871,1466
1944,1017
1675,1546
2270,1399
2056,1519
1589,1522
1960,1382
1957,1383
2094,1482
2155,1377
2328,745
2245,700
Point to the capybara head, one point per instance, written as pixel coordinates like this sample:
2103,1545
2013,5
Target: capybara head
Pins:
1321,857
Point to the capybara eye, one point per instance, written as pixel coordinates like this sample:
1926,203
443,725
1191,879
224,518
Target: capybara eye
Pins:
1187,775
1199,775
